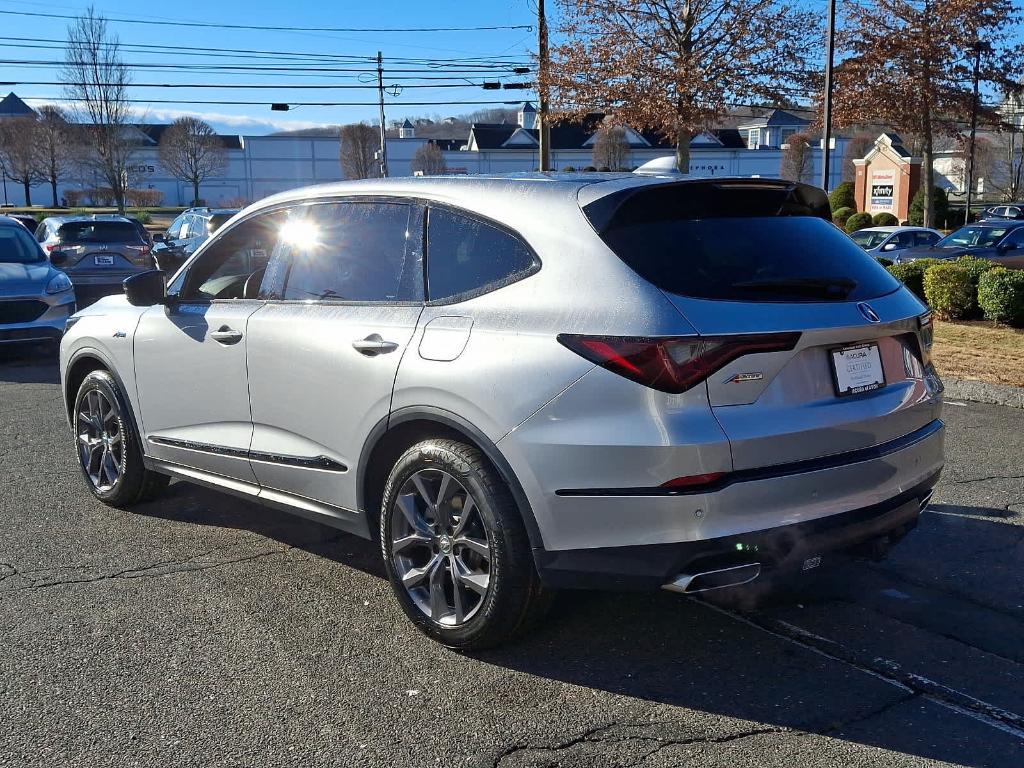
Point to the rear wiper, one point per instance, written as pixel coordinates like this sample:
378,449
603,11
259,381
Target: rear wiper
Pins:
839,287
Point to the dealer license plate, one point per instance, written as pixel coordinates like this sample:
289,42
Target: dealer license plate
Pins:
857,369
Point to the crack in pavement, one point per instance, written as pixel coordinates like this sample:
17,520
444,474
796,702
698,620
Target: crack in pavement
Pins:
968,480
885,669
588,737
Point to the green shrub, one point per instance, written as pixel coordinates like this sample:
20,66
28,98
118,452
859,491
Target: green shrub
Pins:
841,215
858,221
569,169
1001,295
142,216
589,169
885,219
941,204
842,197
949,292
911,274
975,266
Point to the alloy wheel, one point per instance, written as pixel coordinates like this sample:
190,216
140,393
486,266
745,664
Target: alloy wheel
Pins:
440,547
100,442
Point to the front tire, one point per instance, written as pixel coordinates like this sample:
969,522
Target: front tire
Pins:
455,548
109,452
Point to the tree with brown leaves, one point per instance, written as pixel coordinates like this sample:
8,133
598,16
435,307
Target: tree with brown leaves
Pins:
359,143
797,159
19,152
909,65
857,146
429,160
611,148
675,67
190,150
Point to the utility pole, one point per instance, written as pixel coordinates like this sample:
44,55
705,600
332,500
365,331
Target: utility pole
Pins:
827,116
977,47
383,151
543,65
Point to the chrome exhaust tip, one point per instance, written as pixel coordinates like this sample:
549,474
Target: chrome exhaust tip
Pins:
690,583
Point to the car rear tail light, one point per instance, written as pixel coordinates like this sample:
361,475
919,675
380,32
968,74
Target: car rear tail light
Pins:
673,364
51,247
927,336
141,255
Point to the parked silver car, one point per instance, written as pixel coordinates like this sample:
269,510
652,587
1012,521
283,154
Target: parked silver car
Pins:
99,250
517,384
35,298
888,242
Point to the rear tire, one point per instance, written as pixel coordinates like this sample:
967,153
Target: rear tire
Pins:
109,450
455,548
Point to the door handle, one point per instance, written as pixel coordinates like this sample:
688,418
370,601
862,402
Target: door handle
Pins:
374,345
225,335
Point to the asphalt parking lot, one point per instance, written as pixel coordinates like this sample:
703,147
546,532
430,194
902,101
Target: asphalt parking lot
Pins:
201,630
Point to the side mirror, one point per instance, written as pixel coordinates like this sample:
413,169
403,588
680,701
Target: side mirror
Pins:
146,289
159,237
889,247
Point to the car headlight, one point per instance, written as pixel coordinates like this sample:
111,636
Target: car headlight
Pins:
59,283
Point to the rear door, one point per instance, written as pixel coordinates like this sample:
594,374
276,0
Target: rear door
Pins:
738,259
324,352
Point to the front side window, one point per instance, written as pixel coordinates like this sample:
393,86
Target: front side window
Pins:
467,256
174,230
233,265
926,238
352,251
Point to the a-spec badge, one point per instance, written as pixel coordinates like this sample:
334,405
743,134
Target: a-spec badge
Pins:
741,377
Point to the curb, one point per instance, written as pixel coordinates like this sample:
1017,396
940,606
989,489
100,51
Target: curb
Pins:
983,392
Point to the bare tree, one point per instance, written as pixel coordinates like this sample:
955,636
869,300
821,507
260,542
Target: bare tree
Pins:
56,152
611,149
429,160
1007,172
96,81
909,64
675,67
858,146
192,151
797,159
359,143
985,155
19,152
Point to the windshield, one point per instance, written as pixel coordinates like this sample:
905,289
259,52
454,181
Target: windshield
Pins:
969,236
866,239
740,245
98,232
17,246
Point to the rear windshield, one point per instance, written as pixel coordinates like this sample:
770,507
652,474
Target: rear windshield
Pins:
742,244
17,246
98,232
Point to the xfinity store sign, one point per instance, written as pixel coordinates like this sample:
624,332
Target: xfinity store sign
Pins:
883,191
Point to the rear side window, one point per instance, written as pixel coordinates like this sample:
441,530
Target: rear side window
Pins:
99,232
926,238
465,255
356,251
747,243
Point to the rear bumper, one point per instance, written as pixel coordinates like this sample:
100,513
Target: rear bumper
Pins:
786,546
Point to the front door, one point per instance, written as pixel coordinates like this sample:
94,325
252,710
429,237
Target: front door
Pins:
190,356
323,357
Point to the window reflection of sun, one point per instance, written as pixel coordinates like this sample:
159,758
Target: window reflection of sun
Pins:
300,234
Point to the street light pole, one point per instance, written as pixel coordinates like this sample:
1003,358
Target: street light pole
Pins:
826,156
978,47
542,113
383,137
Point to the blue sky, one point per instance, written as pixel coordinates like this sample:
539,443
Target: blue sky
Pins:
16,32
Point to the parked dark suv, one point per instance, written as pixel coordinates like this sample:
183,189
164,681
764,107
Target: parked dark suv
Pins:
93,250
186,233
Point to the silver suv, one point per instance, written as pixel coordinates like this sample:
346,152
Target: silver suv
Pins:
96,250
517,384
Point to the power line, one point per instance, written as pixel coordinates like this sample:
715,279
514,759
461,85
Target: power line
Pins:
173,66
290,103
210,25
290,86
